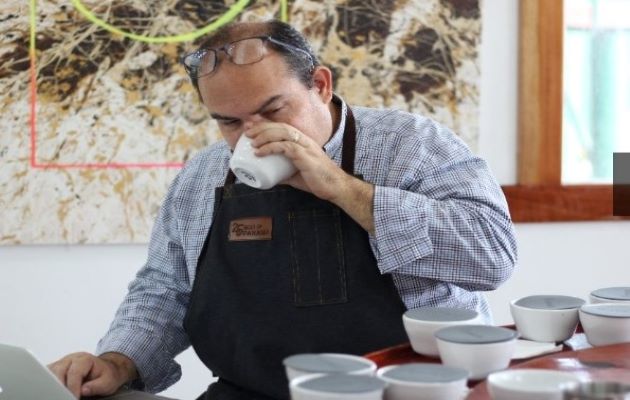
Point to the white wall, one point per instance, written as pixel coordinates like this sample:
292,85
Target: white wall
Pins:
59,299
498,102
56,300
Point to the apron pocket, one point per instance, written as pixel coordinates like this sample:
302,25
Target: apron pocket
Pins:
317,259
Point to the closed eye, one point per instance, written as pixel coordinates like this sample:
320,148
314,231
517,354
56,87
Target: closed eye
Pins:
274,111
228,122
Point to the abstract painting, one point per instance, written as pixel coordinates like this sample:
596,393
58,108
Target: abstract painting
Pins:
98,115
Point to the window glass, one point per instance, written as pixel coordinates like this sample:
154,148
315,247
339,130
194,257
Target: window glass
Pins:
596,110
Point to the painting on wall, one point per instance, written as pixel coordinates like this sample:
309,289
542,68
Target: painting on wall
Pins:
98,115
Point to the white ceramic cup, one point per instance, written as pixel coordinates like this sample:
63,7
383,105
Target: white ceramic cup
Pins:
606,323
421,323
530,384
554,323
259,172
336,387
417,381
480,349
327,363
619,295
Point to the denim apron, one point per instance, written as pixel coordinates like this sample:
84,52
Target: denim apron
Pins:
283,272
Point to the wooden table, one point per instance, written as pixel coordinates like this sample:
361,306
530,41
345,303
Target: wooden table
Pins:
605,363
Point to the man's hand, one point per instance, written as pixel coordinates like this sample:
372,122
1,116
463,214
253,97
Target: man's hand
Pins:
87,375
317,173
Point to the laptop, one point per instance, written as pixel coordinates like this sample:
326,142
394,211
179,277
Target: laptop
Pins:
23,377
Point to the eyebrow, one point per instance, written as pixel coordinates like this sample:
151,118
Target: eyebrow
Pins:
259,110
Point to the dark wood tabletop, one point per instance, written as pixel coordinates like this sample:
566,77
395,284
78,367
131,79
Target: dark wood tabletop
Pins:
604,363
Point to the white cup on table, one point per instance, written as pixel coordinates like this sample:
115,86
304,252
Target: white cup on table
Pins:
423,381
337,387
327,363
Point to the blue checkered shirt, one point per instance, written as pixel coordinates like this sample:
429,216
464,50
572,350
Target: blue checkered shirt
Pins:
442,230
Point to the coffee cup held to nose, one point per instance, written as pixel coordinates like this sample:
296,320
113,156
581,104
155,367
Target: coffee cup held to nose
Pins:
259,172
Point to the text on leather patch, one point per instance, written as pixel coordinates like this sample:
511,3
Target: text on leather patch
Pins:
258,228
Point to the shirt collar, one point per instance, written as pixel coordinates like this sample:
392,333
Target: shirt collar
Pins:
334,145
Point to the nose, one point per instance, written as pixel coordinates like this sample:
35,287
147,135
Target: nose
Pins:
252,120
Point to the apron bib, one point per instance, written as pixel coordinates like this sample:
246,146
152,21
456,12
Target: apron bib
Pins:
283,272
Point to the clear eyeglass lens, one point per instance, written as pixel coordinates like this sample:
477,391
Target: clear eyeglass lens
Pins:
206,64
247,51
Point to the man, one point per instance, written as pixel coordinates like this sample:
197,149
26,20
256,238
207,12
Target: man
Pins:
388,211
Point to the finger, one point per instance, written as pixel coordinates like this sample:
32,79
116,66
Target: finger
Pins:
78,370
277,133
264,130
104,385
289,149
60,369
295,138
297,182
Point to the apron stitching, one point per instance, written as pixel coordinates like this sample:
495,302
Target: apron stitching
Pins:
340,254
317,261
295,267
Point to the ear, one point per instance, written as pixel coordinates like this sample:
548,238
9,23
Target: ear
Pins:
323,83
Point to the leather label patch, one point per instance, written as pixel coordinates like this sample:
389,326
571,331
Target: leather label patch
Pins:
258,228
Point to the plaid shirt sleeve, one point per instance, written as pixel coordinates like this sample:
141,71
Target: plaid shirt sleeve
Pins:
439,214
148,326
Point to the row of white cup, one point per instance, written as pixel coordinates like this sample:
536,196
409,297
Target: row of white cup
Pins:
552,318
329,376
459,339
456,336
416,381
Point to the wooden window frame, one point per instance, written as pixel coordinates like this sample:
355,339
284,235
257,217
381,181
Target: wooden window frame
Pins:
539,195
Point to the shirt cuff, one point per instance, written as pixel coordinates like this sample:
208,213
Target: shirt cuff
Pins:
156,368
401,229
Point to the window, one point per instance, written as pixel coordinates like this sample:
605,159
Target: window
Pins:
540,194
596,95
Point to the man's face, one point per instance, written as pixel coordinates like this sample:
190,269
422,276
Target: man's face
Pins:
241,96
